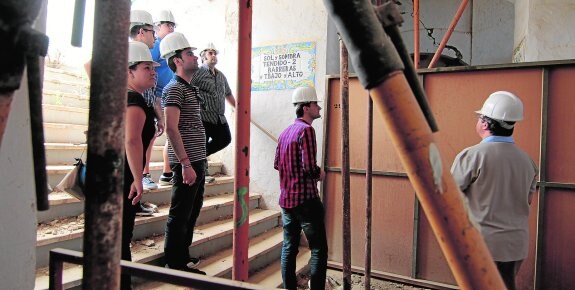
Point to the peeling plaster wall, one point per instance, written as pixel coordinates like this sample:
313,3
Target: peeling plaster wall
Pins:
543,30
493,22
17,193
274,22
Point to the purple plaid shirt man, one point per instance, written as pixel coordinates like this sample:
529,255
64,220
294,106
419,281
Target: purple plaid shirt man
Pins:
296,162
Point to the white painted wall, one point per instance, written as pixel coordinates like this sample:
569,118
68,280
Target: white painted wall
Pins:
17,194
543,30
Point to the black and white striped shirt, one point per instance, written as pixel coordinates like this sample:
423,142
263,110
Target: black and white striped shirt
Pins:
213,90
186,97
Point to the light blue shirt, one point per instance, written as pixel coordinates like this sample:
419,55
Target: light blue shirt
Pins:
506,139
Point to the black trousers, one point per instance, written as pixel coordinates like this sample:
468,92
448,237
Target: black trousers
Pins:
218,136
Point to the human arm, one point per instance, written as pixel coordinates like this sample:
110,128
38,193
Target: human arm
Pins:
88,68
172,118
135,119
463,171
308,153
231,100
159,118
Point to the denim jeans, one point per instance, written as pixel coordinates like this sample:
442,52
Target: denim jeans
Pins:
185,208
308,216
218,136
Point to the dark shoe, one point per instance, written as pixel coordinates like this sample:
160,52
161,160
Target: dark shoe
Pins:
189,270
144,211
194,263
166,180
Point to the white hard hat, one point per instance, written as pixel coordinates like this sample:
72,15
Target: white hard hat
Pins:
173,42
304,95
164,16
139,52
502,106
140,17
210,46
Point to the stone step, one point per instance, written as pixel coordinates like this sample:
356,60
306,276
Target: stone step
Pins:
63,204
68,99
214,237
57,172
64,153
70,230
64,114
62,132
271,275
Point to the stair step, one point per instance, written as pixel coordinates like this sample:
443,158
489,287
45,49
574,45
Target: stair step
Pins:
64,153
79,99
70,132
64,114
204,235
271,276
220,264
57,172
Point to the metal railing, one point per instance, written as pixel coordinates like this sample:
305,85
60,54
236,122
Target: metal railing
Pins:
153,273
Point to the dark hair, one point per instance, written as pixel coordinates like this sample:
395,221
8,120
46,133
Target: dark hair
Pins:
136,29
299,108
171,63
495,127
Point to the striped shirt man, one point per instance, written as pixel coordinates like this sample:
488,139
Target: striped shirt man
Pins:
214,88
181,94
296,162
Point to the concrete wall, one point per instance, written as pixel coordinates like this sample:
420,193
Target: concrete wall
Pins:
275,22
543,30
17,194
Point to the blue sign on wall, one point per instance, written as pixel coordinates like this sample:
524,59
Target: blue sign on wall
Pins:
282,67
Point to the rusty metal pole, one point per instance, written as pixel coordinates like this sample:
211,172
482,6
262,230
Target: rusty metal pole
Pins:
379,68
105,161
345,186
448,33
242,172
368,192
416,34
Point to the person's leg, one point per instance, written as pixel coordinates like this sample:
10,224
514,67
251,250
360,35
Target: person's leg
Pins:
290,246
166,177
128,217
147,180
311,218
198,187
218,136
175,250
507,270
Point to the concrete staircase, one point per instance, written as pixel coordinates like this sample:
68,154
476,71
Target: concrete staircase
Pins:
65,121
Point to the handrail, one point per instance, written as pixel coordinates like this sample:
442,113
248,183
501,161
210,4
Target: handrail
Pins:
60,256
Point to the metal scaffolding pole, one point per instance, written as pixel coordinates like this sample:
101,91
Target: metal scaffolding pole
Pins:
242,172
345,186
448,33
105,158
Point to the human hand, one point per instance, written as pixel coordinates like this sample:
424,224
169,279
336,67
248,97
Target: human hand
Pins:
136,191
159,128
189,175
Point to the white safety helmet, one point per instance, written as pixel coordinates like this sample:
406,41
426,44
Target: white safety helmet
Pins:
164,16
139,52
210,46
502,106
173,42
140,17
304,95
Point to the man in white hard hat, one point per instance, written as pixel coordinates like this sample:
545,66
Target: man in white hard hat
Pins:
166,23
186,151
299,200
498,180
214,89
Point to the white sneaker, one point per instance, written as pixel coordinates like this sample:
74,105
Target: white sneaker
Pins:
148,183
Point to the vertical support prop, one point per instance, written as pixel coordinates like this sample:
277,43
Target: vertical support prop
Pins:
368,192
242,159
416,34
105,161
344,88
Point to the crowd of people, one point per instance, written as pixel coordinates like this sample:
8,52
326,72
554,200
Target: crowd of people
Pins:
169,92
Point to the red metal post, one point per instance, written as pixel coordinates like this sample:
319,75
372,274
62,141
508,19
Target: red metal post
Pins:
416,34
448,34
242,173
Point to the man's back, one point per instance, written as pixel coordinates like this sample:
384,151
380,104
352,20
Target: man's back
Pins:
497,178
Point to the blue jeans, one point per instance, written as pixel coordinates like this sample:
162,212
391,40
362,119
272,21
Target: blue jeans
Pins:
308,216
185,208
